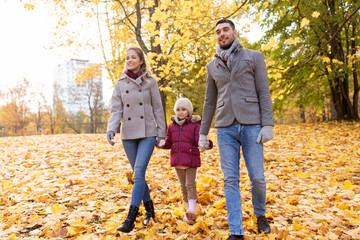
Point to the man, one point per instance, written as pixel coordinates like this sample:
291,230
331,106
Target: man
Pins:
237,89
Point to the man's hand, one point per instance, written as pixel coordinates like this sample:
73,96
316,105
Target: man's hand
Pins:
266,133
203,142
110,135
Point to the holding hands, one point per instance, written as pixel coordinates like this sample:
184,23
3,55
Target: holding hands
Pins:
203,142
160,142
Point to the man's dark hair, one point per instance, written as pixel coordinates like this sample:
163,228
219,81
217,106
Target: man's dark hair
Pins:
226,21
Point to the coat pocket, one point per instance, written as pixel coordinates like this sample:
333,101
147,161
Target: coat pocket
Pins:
251,99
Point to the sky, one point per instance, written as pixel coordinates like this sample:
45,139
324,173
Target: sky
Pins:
23,35
24,47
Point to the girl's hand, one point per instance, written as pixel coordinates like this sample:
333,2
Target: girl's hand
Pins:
161,143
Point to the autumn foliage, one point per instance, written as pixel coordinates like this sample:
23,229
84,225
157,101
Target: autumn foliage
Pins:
79,187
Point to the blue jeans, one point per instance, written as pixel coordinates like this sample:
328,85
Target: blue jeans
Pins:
138,152
229,140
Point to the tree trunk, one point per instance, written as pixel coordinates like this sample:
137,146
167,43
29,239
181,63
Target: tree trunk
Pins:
339,84
355,75
302,113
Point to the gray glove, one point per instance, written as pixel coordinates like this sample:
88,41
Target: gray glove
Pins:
266,133
203,142
110,135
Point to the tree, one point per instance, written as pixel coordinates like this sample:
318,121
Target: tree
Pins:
313,50
52,119
17,107
175,35
40,104
91,78
66,119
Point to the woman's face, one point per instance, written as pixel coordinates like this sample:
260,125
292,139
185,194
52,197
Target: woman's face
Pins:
133,61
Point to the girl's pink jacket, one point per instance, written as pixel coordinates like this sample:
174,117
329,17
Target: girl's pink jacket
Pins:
183,142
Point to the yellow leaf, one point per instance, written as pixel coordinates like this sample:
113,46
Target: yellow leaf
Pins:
12,237
354,221
220,204
88,15
57,208
304,22
221,234
178,212
293,41
296,226
271,45
182,227
78,223
7,185
96,1
29,6
71,231
326,60
315,14
45,230
348,186
111,226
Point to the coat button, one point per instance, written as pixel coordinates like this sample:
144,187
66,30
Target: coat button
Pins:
142,117
127,91
140,90
128,82
128,105
129,119
140,104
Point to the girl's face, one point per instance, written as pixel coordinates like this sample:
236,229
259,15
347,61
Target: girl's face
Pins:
181,112
133,61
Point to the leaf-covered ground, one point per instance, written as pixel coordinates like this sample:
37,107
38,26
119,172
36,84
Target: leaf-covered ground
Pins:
78,187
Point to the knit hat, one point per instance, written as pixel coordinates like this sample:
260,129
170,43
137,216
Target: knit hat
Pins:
185,103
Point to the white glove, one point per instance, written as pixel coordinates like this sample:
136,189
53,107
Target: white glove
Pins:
203,142
266,133
161,143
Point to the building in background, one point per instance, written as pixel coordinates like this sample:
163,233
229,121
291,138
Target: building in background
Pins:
78,96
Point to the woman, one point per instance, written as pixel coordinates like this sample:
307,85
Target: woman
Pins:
137,103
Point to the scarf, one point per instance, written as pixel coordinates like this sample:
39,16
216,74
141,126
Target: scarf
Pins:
180,122
132,74
227,54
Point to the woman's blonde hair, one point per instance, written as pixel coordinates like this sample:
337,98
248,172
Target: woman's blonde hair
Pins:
143,68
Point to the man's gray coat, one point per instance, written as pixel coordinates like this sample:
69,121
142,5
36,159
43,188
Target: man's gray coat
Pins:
241,95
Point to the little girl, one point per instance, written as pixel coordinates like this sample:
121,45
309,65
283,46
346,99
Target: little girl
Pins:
182,138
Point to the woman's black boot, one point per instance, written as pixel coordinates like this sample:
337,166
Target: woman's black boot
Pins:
128,224
150,212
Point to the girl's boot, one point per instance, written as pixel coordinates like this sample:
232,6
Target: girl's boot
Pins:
150,212
128,225
191,212
185,218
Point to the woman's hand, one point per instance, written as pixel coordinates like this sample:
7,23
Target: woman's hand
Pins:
109,136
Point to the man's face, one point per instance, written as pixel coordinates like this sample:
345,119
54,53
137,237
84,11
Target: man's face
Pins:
225,35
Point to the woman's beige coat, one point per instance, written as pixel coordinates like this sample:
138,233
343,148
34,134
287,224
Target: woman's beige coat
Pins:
137,104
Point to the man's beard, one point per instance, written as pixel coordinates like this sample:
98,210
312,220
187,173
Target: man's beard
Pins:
227,46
